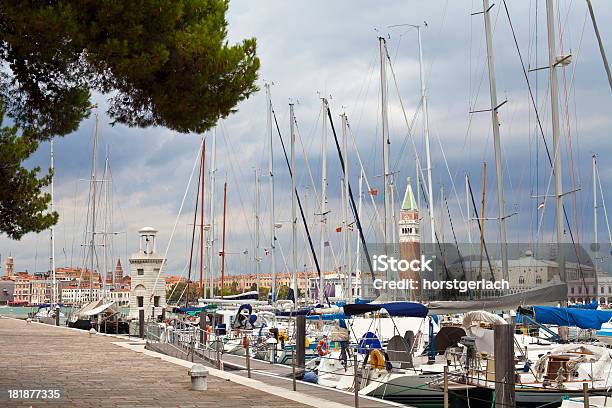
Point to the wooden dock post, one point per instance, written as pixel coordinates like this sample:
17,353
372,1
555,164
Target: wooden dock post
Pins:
504,365
202,327
446,386
300,341
293,367
356,378
57,315
247,346
141,323
585,394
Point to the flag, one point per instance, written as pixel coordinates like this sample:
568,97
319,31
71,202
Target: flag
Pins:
266,251
338,229
373,191
350,227
541,205
326,244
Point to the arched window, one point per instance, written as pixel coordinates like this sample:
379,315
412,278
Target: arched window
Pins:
521,280
538,280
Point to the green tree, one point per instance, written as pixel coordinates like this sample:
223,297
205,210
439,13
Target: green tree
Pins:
23,203
162,63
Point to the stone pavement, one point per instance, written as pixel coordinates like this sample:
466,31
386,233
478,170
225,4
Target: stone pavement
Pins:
91,371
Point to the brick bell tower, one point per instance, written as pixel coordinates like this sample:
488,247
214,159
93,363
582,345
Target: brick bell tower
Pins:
410,235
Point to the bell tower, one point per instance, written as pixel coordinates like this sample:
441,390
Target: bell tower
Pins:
145,293
410,235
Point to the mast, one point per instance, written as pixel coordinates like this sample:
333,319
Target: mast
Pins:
347,211
223,238
467,206
293,209
51,230
93,209
496,140
106,227
385,134
482,213
212,253
323,201
359,208
202,177
257,244
594,161
432,217
554,113
271,186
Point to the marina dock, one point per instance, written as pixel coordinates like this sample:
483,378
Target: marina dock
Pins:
104,371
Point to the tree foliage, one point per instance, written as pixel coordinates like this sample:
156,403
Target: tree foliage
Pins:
23,204
161,63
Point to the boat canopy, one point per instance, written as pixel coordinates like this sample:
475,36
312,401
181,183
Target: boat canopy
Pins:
403,309
194,309
563,316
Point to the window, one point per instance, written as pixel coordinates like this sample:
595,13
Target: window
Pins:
609,289
579,289
140,300
140,271
156,301
572,290
521,280
602,289
416,230
538,280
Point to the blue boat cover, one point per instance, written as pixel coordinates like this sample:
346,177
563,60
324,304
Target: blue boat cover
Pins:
562,316
403,309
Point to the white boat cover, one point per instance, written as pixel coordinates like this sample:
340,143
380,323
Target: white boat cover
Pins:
552,292
99,309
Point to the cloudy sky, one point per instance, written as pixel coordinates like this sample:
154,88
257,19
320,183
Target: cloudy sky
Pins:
319,48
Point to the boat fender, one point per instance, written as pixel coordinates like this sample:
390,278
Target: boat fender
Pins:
377,360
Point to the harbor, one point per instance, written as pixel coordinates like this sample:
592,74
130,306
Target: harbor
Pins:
208,203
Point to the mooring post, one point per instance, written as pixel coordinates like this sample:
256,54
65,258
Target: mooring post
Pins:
293,367
202,328
585,394
247,347
446,386
57,315
355,380
300,341
504,365
141,323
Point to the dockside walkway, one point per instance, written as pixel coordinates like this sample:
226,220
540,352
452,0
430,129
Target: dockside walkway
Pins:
111,371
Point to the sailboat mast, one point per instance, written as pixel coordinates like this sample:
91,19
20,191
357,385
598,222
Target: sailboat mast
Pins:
294,282
223,238
212,253
106,226
346,210
257,225
594,161
432,218
271,186
554,113
323,201
385,135
496,140
93,209
51,230
202,178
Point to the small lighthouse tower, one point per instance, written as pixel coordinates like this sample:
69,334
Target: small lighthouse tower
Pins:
144,266
9,267
409,234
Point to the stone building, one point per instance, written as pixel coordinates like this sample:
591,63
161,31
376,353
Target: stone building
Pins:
146,294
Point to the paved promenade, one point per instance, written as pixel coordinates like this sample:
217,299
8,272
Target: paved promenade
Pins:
92,371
